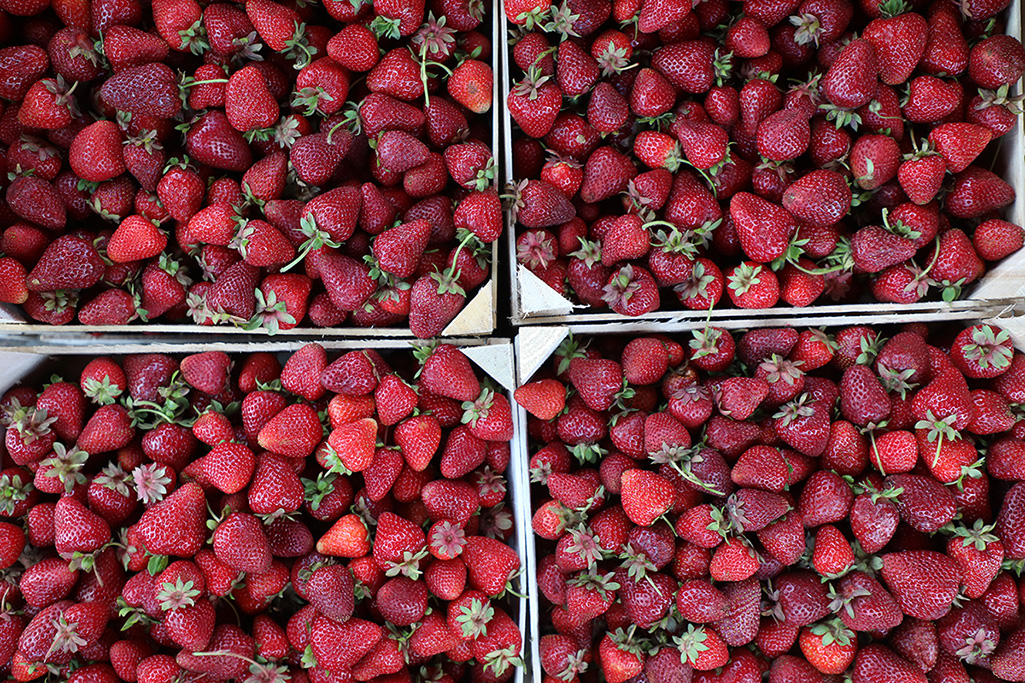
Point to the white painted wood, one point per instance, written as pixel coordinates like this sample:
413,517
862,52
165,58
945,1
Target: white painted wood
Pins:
497,360
534,346
477,316
537,298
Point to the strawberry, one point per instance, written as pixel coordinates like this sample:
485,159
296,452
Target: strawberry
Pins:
976,192
248,102
150,90
994,239
764,229
36,200
470,84
899,43
923,582
996,61
95,153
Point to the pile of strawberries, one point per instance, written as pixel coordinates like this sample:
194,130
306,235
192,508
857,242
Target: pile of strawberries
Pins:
262,164
186,520
780,152
813,506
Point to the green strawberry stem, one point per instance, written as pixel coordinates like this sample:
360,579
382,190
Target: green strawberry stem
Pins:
188,83
451,275
423,72
316,239
935,255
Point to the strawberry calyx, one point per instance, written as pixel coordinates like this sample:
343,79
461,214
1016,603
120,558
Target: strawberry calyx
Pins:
673,241
844,600
569,349
587,452
485,177
534,18
690,393
247,47
682,460
63,94
172,596
260,672
613,59
722,66
696,284
800,407
59,301
473,618
809,28
13,491
744,277
563,18
498,661
448,280
892,8
938,429
989,348
434,38
85,562
513,200
198,309
575,664
637,202
270,313
497,523
473,411
584,543
447,540
151,481
315,239
896,381
309,99
535,249
691,643
841,118
298,47
134,613
980,535
602,584
972,471
409,566
778,368
625,641
29,421
637,564
149,415
705,342
65,638
833,631
89,50
589,252
195,38
66,466
621,287
386,27
115,478
978,646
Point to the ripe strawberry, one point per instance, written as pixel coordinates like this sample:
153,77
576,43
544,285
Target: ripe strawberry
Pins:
763,228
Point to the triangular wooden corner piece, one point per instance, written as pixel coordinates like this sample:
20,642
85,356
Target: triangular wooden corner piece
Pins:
477,317
1015,327
496,360
16,366
534,346
1005,281
537,298
11,314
